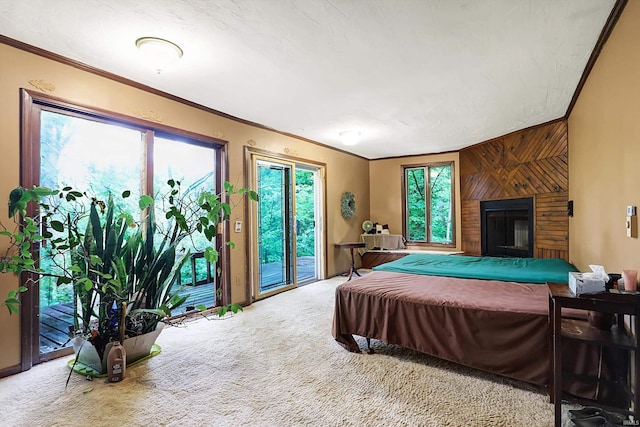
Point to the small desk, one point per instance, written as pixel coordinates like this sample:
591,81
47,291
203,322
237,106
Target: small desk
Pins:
609,302
351,246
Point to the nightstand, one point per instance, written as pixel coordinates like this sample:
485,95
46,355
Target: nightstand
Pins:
618,303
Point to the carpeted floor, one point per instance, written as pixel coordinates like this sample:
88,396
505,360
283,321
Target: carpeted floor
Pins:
275,364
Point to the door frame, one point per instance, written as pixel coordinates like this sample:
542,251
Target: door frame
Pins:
252,226
318,174
31,103
291,242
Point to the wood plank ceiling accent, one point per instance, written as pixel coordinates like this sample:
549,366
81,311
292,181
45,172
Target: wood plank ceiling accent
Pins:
528,163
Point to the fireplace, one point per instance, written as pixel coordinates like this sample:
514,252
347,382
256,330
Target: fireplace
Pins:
507,227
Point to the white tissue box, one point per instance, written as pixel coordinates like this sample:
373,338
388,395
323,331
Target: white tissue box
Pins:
579,284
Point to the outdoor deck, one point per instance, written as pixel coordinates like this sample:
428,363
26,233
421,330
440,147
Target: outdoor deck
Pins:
55,320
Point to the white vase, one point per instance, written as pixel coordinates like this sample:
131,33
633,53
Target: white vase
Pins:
86,353
135,347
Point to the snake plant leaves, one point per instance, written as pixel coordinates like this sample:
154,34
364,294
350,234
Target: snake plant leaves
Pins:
116,272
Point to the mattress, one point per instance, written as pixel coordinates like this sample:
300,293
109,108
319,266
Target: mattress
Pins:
522,270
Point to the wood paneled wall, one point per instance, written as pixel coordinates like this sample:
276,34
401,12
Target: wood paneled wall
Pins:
532,162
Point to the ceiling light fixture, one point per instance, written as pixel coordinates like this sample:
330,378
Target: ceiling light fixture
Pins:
161,54
350,137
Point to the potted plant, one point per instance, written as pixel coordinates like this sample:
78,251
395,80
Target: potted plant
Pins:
123,267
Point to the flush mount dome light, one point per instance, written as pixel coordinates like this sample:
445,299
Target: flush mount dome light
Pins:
350,137
159,53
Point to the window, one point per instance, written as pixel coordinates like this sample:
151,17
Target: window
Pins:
103,152
193,166
88,156
428,204
102,156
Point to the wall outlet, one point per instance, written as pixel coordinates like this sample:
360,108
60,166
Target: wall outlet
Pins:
238,227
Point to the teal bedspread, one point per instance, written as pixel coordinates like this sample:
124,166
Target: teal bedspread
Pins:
523,270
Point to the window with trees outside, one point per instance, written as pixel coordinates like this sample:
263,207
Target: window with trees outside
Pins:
101,153
428,204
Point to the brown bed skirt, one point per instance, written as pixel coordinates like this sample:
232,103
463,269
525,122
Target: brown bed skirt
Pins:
498,327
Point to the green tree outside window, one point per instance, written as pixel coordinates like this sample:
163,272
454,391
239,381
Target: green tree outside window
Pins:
429,203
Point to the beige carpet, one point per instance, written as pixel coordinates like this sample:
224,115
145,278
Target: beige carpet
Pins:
276,364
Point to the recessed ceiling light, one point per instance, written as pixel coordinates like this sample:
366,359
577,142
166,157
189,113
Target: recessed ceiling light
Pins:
159,53
350,137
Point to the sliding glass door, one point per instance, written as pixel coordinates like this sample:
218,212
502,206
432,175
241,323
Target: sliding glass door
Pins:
308,221
85,155
286,242
275,226
194,166
96,153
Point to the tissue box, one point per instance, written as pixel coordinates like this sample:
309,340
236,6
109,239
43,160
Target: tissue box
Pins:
585,285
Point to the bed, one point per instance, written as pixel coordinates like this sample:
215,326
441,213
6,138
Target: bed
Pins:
486,313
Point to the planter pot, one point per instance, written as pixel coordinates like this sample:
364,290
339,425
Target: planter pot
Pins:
136,347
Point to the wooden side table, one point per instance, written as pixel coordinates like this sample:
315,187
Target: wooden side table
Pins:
608,302
351,246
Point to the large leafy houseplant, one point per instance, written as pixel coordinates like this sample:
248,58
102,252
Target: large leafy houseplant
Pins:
123,267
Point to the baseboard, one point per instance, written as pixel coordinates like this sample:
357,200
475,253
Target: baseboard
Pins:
10,370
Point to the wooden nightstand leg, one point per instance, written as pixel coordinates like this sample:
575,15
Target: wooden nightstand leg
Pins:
557,365
636,366
551,364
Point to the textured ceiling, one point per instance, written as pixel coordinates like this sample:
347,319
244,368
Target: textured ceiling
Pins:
413,76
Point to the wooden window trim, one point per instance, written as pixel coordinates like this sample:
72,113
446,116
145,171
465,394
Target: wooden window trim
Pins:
427,244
